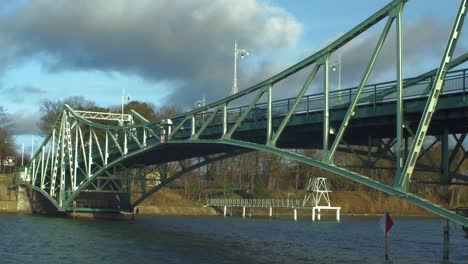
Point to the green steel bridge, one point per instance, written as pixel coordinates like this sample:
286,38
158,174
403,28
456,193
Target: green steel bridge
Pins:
88,166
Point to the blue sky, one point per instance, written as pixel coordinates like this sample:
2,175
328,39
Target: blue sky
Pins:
56,49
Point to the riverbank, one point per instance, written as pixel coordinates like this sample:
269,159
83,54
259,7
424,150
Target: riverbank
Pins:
173,202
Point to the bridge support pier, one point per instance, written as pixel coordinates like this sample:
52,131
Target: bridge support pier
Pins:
225,211
243,212
271,212
295,214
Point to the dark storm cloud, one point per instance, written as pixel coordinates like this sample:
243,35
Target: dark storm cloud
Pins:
187,42
19,93
424,41
25,122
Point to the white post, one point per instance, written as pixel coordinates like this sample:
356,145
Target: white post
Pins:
295,214
337,215
234,82
225,210
271,211
243,53
313,214
123,98
22,155
318,214
243,212
339,78
32,146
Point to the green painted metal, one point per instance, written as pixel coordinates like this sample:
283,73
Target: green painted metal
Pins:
445,179
423,203
341,41
286,119
402,181
138,116
365,77
186,170
95,162
399,105
206,123
269,115
244,115
326,108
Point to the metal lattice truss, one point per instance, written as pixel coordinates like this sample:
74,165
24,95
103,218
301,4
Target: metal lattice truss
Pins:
80,155
317,189
78,152
120,118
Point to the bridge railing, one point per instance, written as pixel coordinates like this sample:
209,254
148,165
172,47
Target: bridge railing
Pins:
257,203
372,94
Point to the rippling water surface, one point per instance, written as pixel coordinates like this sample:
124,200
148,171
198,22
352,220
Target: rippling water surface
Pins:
38,239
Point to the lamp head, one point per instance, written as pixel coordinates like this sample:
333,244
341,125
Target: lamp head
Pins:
334,68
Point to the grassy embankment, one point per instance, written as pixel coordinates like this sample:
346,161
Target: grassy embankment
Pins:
173,202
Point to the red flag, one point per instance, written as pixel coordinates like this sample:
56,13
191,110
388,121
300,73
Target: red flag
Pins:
388,222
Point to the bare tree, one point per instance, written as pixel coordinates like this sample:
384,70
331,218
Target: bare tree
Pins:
50,110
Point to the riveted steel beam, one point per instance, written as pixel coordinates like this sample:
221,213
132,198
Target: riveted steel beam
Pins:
402,181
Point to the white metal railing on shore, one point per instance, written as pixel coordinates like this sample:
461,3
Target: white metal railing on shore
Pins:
257,203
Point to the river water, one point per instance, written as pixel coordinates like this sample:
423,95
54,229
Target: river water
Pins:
39,239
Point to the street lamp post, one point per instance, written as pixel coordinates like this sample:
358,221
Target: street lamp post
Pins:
336,64
201,103
123,100
242,53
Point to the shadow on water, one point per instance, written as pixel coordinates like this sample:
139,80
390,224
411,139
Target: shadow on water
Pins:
35,239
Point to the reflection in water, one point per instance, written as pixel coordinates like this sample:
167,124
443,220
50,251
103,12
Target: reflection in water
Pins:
36,239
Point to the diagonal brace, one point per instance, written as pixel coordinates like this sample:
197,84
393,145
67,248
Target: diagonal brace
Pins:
286,119
352,106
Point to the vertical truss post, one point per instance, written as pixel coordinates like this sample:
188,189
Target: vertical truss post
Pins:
291,109
90,154
75,166
193,126
269,115
53,156
106,150
402,181
397,13
225,121
61,195
445,179
326,114
125,142
353,103
42,166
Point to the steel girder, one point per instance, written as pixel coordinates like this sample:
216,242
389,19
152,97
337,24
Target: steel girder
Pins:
80,155
78,151
414,199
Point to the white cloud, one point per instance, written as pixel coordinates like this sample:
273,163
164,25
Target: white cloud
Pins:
185,41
